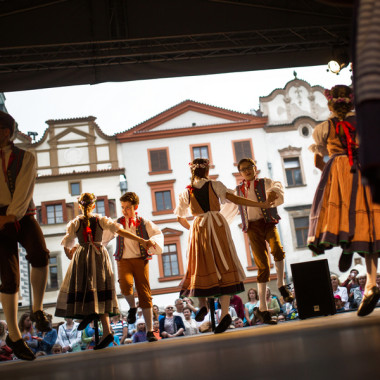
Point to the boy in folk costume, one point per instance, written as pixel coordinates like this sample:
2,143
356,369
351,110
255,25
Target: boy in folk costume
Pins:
133,260
260,225
18,225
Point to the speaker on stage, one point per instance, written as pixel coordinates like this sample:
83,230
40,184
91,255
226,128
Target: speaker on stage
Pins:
312,286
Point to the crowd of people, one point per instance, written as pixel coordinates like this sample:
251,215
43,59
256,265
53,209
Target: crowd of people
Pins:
175,320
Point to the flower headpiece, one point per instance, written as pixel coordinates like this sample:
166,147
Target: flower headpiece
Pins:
87,201
203,165
328,94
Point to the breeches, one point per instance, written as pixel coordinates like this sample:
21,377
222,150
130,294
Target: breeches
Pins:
30,236
261,235
137,270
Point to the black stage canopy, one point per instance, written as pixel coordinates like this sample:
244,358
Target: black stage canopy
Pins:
50,43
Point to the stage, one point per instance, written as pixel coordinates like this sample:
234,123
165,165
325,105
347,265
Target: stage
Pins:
342,346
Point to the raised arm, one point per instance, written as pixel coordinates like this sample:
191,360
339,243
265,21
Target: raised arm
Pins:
247,202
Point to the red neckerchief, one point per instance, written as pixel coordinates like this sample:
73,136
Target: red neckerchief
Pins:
190,188
347,128
247,185
134,221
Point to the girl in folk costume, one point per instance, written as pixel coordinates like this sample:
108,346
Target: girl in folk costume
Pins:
88,289
343,213
213,269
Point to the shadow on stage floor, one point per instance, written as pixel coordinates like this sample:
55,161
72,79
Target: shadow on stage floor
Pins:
342,346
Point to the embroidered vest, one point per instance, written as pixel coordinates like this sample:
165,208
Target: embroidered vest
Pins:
14,166
270,214
140,231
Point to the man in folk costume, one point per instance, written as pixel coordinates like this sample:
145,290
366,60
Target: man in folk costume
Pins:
133,260
18,225
260,225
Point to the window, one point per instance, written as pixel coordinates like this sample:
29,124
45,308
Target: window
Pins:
100,207
163,200
75,188
52,282
301,227
293,171
200,152
299,218
292,164
170,260
54,214
159,161
162,197
242,149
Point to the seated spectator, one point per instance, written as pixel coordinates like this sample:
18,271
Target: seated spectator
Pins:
191,327
120,327
238,323
253,301
281,318
179,305
273,304
339,304
156,329
351,281
56,349
88,335
140,335
5,351
3,333
237,304
359,291
290,308
27,332
46,340
69,337
190,303
339,290
171,326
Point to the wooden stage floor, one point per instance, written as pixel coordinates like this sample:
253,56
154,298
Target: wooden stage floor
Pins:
342,346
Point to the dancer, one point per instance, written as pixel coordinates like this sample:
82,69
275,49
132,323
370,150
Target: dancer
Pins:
88,289
343,213
214,269
18,225
133,261
260,226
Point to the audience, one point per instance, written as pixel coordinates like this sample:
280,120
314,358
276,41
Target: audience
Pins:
140,335
339,304
273,304
69,337
46,340
253,301
238,323
237,303
119,327
339,290
359,291
191,327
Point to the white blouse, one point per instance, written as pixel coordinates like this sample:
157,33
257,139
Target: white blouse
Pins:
182,210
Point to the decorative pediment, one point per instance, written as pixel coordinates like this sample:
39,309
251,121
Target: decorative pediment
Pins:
171,232
191,117
71,134
289,151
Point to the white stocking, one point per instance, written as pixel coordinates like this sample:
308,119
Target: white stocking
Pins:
280,273
371,264
262,287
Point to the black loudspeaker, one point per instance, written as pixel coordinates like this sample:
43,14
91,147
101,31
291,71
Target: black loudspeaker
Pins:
312,286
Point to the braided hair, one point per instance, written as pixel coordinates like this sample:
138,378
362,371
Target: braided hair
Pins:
341,100
199,168
86,200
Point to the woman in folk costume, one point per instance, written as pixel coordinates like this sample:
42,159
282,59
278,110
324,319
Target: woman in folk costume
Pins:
343,213
88,289
213,269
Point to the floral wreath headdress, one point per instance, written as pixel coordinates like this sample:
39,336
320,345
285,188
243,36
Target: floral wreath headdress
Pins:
87,202
330,97
204,165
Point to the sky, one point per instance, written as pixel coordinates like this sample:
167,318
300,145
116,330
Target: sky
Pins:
119,106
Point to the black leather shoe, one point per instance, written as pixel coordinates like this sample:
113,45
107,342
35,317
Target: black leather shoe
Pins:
202,312
224,324
105,342
345,261
20,349
150,337
265,317
286,295
42,323
131,318
369,302
86,320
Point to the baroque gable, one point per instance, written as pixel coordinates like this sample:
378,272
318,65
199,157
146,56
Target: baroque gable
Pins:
298,98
